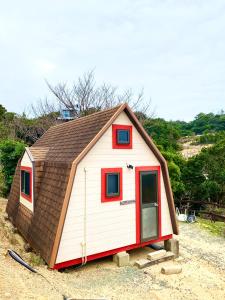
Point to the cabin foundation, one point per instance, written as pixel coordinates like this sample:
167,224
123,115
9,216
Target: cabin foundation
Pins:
173,246
122,259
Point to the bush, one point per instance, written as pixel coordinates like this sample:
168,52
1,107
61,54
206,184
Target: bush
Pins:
10,152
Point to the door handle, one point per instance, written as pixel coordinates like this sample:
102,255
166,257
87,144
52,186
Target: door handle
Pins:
156,204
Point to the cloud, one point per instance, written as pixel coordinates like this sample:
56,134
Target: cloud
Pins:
45,67
172,49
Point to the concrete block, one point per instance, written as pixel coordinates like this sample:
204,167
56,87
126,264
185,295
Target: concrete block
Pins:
173,246
156,254
117,255
121,259
171,270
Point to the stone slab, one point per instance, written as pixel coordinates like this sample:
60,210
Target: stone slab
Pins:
143,263
156,254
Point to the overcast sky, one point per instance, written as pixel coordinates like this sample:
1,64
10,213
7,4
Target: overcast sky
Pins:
175,50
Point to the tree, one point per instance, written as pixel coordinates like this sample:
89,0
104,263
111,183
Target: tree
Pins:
30,130
163,133
204,174
85,97
10,152
2,112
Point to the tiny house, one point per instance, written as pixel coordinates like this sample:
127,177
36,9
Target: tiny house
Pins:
92,187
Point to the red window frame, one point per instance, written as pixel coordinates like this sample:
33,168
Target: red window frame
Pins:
29,170
116,127
104,172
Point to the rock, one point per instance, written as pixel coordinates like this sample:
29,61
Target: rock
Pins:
156,254
171,270
27,247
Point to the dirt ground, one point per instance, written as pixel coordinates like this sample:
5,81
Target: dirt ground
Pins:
202,258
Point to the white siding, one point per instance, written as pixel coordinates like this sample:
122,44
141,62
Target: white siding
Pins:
109,225
26,162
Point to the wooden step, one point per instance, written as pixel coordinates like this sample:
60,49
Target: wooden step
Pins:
143,263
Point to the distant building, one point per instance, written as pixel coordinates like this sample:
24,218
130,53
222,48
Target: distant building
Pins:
67,114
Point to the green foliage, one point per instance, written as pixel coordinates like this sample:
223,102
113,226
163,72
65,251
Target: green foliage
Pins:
216,228
203,123
201,177
175,166
4,131
10,152
2,112
210,138
164,133
204,174
35,259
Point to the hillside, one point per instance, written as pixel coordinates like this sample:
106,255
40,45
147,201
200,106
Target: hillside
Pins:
189,149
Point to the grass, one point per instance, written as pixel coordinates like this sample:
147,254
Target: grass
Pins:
35,260
215,228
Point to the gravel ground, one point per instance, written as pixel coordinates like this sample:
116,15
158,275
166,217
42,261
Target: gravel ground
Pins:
202,258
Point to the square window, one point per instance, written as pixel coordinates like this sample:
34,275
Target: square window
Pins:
112,184
123,136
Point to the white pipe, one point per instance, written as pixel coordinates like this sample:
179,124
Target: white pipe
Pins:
84,243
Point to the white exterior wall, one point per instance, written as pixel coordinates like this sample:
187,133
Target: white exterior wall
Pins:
109,224
26,162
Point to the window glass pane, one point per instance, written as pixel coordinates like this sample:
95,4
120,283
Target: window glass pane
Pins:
149,187
123,136
25,182
113,184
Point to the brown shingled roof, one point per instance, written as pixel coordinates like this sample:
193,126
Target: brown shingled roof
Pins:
55,156
66,141
38,153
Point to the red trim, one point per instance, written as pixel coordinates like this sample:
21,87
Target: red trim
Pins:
29,170
115,145
137,183
104,172
109,252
